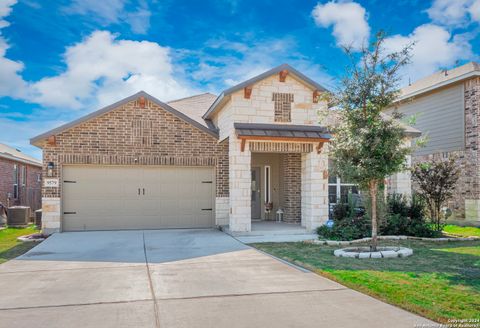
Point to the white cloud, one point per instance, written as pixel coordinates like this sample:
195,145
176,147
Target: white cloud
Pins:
434,48
5,10
244,59
11,83
104,69
454,12
114,12
349,20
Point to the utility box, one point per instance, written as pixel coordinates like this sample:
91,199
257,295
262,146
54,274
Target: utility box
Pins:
18,216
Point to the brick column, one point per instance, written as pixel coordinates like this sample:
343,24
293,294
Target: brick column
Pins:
240,177
314,189
292,175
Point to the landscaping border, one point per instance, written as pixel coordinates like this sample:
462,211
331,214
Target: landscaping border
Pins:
363,240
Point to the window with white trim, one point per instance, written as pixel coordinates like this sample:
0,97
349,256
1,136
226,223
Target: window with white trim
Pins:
338,189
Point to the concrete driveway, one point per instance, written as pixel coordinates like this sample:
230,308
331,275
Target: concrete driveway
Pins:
175,278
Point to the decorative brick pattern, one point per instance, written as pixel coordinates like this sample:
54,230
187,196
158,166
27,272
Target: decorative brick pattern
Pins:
292,175
280,147
283,106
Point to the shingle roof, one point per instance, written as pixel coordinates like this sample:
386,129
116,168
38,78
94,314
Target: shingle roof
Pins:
281,130
194,106
440,79
260,77
16,155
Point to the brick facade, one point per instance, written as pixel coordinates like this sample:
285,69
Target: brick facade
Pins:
292,175
116,139
28,190
121,137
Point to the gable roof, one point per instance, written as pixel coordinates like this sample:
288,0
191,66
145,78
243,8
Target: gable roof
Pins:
38,139
16,155
194,106
440,79
221,98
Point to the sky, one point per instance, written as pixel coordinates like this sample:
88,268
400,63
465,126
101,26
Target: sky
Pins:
62,59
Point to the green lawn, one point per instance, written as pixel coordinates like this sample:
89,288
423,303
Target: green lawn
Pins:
10,247
462,231
439,281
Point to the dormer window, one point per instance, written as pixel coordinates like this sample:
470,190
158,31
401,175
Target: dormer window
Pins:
283,106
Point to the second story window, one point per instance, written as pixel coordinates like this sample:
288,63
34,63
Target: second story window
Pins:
283,106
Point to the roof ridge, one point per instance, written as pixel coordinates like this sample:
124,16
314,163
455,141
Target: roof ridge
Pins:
113,106
193,96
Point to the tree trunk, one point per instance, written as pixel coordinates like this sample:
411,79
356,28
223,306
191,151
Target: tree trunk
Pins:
373,195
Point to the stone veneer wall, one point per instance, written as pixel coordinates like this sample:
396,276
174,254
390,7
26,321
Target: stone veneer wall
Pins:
117,138
292,175
314,189
466,200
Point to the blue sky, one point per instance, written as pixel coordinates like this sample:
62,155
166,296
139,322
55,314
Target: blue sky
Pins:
62,59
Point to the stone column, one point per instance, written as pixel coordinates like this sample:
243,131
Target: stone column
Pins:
314,189
51,215
240,177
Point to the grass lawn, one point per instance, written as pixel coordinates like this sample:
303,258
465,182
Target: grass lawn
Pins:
462,231
10,247
440,281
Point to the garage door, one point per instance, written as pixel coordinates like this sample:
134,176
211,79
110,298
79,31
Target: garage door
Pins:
116,197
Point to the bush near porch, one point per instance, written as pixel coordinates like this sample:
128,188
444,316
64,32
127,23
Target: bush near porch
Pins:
441,281
400,216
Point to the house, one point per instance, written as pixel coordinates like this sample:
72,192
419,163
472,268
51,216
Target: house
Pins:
20,178
196,162
446,106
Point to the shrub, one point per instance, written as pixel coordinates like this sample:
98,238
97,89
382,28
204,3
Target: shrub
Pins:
436,181
406,218
348,223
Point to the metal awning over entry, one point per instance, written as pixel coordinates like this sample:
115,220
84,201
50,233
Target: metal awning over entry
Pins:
281,132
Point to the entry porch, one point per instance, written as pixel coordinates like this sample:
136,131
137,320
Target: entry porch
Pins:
277,173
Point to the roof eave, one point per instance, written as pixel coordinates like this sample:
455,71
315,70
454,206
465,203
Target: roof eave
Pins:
260,77
38,140
21,160
460,78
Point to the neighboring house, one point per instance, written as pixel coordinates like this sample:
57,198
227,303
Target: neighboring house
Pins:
20,178
447,110
196,162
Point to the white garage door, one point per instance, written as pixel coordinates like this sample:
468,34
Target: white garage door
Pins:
123,197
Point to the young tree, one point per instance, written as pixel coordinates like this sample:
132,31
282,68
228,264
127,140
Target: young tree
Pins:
436,182
369,146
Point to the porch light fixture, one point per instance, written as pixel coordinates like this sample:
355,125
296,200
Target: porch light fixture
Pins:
50,167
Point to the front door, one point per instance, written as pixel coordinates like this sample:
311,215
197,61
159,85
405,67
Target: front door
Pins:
256,206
